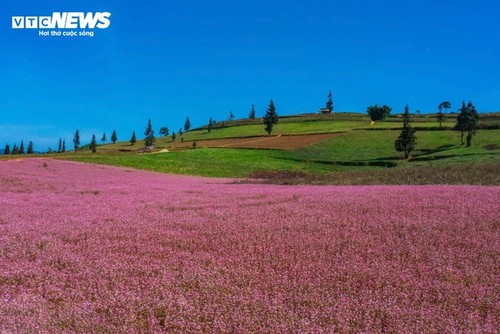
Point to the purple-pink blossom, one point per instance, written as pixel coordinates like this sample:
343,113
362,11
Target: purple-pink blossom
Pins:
98,249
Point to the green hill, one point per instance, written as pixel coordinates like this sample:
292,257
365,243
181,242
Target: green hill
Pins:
356,152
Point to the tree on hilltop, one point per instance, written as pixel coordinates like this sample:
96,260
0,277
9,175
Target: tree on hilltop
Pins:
329,102
103,138
270,118
252,113
133,139
150,135
76,140
378,113
6,150
187,124
21,147
440,115
93,144
114,138
444,105
407,139
467,121
210,124
30,148
164,131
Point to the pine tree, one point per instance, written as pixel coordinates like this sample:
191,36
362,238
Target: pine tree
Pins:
6,150
63,149
173,136
59,146
15,149
270,118
93,144
149,135
407,139
210,124
103,138
133,139
21,147
114,138
30,148
252,113
329,102
231,115
187,124
76,140
467,121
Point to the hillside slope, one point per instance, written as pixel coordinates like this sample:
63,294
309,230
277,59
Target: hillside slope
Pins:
338,148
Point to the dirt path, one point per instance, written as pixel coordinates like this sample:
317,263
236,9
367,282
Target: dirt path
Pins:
280,142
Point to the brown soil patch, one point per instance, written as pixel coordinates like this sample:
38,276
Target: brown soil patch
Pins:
279,142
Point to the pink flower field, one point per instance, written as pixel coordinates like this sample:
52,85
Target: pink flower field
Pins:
98,249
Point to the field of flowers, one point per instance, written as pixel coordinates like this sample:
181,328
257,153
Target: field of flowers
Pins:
99,249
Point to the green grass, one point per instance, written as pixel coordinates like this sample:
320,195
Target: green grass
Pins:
358,152
369,146
292,128
365,151
205,162
292,125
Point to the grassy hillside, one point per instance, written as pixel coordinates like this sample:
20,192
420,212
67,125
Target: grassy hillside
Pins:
358,147
292,125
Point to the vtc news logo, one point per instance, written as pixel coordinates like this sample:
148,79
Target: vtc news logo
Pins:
64,20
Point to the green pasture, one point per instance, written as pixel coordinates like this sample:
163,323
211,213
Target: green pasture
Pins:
353,149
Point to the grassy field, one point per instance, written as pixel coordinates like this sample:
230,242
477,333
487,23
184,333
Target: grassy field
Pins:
306,124
358,153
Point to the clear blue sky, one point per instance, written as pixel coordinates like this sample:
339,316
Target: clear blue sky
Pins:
167,60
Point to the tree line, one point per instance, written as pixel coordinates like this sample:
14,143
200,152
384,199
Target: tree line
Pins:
270,119
466,122
19,149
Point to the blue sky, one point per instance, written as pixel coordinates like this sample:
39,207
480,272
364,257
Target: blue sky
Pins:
167,60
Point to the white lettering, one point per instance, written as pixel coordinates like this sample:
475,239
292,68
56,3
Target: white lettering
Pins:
63,20
104,21
17,22
31,22
70,33
72,20
59,20
89,21
45,22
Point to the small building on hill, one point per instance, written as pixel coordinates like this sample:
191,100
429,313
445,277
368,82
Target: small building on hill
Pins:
325,111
